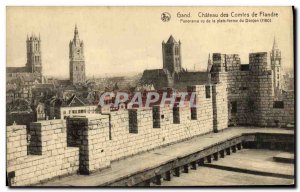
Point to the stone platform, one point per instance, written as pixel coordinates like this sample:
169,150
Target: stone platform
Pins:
244,168
163,162
285,157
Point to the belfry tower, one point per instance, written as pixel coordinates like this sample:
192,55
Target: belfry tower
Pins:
172,55
34,55
275,57
76,56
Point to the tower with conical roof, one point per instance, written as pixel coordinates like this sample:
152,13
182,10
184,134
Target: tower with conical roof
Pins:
275,57
76,56
172,55
34,54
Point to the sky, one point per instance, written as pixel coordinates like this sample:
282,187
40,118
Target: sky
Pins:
120,40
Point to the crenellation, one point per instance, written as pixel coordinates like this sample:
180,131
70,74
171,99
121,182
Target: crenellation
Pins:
250,93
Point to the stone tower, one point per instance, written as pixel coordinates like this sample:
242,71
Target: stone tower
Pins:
34,54
76,56
275,57
172,55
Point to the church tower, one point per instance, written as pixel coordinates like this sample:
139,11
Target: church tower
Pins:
34,55
172,55
76,56
275,57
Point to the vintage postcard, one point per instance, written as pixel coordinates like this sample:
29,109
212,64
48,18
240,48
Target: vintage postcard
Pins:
150,96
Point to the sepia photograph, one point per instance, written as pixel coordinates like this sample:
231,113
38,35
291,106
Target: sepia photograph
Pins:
150,96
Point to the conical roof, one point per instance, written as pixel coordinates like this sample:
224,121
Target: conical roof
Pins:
171,40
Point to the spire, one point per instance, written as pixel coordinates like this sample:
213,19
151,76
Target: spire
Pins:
209,64
275,43
76,36
209,59
76,30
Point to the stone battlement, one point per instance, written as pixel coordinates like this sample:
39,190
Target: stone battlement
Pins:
252,99
87,143
232,63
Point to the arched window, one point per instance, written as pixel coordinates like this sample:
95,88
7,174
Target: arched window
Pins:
75,68
81,68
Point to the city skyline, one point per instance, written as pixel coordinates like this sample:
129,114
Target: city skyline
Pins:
107,48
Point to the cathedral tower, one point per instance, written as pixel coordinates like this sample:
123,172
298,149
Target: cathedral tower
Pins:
275,57
172,55
76,56
34,54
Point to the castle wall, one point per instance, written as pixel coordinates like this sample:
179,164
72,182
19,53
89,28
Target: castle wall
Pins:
125,144
47,139
220,107
250,92
281,117
227,70
90,142
90,133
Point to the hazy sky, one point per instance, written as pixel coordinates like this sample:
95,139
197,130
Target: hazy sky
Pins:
119,40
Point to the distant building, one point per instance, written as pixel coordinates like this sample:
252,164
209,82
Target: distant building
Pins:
34,55
172,74
33,65
19,112
76,56
172,55
21,80
39,111
60,109
275,57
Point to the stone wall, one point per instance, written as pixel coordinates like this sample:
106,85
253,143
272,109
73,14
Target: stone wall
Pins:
90,142
281,117
124,144
250,91
91,134
53,158
220,107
